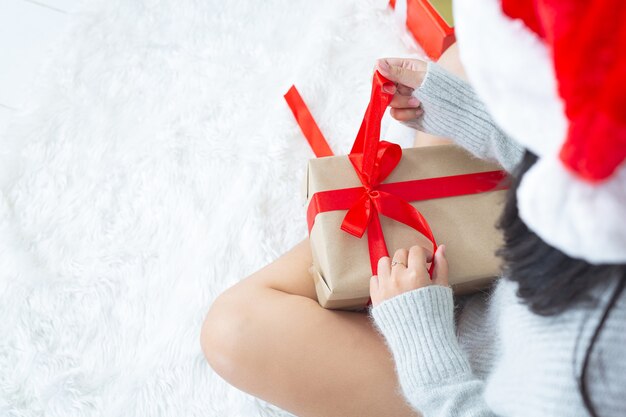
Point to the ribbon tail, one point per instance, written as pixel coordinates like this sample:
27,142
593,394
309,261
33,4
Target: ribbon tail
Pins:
398,209
307,124
364,216
376,242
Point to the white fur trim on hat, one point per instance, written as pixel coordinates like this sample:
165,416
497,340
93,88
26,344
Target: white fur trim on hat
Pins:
583,220
512,71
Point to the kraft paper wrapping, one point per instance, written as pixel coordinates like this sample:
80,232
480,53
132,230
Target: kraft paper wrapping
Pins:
465,224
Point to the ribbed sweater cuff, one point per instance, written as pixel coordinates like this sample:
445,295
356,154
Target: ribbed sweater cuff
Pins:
419,329
452,109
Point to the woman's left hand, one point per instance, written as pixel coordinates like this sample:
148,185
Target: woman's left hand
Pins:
409,272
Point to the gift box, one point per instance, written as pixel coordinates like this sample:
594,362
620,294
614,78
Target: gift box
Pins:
380,198
429,21
465,223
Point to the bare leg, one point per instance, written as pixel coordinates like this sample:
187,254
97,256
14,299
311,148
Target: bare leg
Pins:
450,61
268,336
425,139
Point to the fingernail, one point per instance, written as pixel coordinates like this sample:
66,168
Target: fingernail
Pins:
389,88
442,249
419,112
414,102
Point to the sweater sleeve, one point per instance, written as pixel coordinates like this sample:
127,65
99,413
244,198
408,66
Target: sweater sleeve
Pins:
453,110
434,374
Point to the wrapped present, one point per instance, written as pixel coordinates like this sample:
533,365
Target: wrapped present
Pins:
429,21
380,198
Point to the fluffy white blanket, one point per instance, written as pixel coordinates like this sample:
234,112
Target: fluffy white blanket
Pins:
156,165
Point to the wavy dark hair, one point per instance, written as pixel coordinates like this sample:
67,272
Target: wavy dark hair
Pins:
549,281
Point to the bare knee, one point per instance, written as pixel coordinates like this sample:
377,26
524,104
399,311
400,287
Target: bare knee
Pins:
224,332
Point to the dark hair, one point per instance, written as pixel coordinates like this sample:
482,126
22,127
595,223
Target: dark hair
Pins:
549,281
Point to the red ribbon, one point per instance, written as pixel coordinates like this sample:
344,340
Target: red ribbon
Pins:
307,124
373,160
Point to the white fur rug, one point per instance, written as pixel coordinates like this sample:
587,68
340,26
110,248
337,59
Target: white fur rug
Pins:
156,165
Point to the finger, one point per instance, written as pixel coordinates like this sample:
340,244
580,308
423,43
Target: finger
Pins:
373,284
401,256
440,272
374,290
403,102
384,266
390,88
409,72
404,90
418,257
406,115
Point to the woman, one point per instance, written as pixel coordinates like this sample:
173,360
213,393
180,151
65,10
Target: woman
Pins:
268,336
548,340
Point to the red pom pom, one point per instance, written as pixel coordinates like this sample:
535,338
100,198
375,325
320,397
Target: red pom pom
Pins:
587,40
526,10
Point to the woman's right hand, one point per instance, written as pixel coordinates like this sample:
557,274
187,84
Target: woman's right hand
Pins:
407,75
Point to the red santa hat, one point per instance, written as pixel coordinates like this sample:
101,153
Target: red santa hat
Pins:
553,75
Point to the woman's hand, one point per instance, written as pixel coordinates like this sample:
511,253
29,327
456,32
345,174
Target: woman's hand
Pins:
408,75
408,272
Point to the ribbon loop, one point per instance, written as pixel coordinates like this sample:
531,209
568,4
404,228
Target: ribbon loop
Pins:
367,140
358,216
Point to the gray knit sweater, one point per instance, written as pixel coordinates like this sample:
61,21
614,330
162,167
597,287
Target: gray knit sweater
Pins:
498,359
